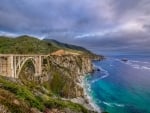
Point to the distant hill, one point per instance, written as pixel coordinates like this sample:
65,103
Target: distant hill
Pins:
66,46
25,45
31,45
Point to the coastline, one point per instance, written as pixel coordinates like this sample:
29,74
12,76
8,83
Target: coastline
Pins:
86,100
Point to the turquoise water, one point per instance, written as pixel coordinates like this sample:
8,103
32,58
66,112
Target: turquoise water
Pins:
121,87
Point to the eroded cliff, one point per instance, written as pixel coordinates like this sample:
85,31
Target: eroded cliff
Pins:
64,72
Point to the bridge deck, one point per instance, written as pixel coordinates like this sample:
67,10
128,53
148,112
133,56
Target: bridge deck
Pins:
23,55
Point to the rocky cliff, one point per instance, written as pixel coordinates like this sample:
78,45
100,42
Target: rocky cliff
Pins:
64,74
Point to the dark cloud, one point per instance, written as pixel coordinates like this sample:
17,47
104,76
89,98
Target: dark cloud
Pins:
41,15
98,25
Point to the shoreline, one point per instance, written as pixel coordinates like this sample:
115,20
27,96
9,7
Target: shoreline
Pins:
86,100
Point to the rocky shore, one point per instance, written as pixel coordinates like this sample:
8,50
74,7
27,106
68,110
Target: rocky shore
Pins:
86,100
78,67
79,71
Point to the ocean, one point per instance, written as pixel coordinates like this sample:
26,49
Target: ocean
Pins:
121,86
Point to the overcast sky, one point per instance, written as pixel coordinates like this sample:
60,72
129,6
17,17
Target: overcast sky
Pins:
100,25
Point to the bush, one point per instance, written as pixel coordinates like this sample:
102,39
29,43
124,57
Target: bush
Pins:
61,104
23,93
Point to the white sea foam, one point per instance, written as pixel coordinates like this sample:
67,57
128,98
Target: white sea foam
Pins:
113,104
138,64
108,104
92,103
105,74
144,67
119,105
87,91
102,77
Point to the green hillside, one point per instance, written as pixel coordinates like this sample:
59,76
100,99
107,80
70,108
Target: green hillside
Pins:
25,45
30,45
66,46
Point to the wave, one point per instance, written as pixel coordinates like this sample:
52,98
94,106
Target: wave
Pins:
107,103
103,72
113,104
139,61
88,94
119,105
137,64
144,67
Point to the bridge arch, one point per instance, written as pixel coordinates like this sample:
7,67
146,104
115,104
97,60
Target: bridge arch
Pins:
12,64
23,62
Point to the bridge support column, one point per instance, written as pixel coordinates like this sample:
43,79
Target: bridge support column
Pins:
40,65
12,66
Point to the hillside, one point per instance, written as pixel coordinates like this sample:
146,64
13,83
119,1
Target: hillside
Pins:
66,46
25,45
30,45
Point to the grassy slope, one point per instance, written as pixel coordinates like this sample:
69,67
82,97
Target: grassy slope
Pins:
74,49
30,45
66,46
19,98
25,45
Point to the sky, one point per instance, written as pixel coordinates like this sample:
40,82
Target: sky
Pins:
99,25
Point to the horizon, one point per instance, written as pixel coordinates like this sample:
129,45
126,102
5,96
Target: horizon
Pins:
100,26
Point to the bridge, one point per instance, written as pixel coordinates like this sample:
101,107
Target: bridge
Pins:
12,64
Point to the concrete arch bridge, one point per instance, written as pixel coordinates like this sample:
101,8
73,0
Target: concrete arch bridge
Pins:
12,64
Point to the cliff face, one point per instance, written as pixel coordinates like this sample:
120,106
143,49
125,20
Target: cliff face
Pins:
61,74
77,64
64,74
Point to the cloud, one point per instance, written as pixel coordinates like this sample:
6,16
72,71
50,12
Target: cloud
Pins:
99,24
54,14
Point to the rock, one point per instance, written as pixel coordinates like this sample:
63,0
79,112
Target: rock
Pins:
15,101
98,70
34,110
124,60
70,68
93,70
4,109
86,101
54,110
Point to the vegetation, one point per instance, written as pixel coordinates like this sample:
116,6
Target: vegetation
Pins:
25,45
22,92
30,45
19,98
58,103
66,46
